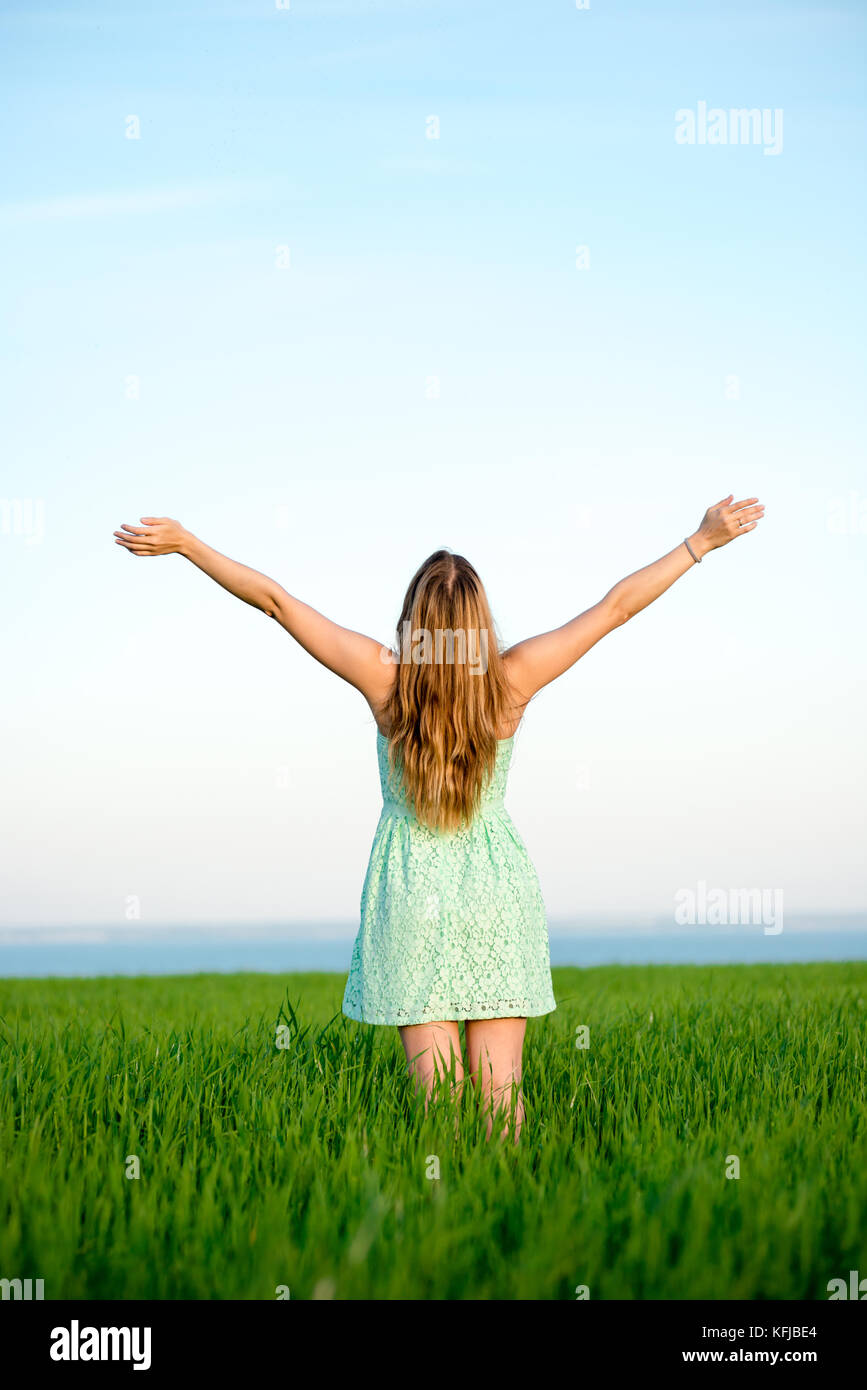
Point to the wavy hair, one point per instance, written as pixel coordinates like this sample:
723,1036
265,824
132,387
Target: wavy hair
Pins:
450,695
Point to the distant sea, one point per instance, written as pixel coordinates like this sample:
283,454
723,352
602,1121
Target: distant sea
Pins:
132,949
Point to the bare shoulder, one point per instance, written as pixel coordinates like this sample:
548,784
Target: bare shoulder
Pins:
518,697
536,661
379,697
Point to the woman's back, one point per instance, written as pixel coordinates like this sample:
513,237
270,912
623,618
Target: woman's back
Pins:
394,794
453,923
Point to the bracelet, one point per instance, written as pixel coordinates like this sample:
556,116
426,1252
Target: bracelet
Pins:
691,551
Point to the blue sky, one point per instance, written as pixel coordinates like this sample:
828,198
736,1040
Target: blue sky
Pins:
431,368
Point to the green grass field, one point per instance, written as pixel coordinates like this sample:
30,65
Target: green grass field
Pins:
307,1166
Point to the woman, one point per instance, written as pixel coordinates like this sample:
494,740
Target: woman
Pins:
453,924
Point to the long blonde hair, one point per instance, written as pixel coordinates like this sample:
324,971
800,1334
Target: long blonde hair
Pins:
450,696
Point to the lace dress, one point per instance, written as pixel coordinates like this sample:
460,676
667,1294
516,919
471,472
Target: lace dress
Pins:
452,922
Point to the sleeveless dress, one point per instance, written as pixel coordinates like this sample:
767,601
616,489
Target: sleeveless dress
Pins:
453,924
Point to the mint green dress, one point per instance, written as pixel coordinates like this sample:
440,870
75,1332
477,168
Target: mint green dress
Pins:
452,922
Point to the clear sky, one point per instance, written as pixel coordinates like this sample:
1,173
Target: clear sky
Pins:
329,343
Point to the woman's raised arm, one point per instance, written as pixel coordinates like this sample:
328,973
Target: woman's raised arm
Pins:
537,661
360,660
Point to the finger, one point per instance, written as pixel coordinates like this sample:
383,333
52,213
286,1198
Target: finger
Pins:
748,501
748,513
751,526
723,500
133,530
151,520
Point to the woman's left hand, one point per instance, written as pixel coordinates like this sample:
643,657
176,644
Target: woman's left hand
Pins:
158,535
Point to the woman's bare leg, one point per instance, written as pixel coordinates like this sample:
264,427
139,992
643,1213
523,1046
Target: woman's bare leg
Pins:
494,1053
432,1049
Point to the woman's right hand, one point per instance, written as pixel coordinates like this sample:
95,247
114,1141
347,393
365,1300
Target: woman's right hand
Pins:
725,521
